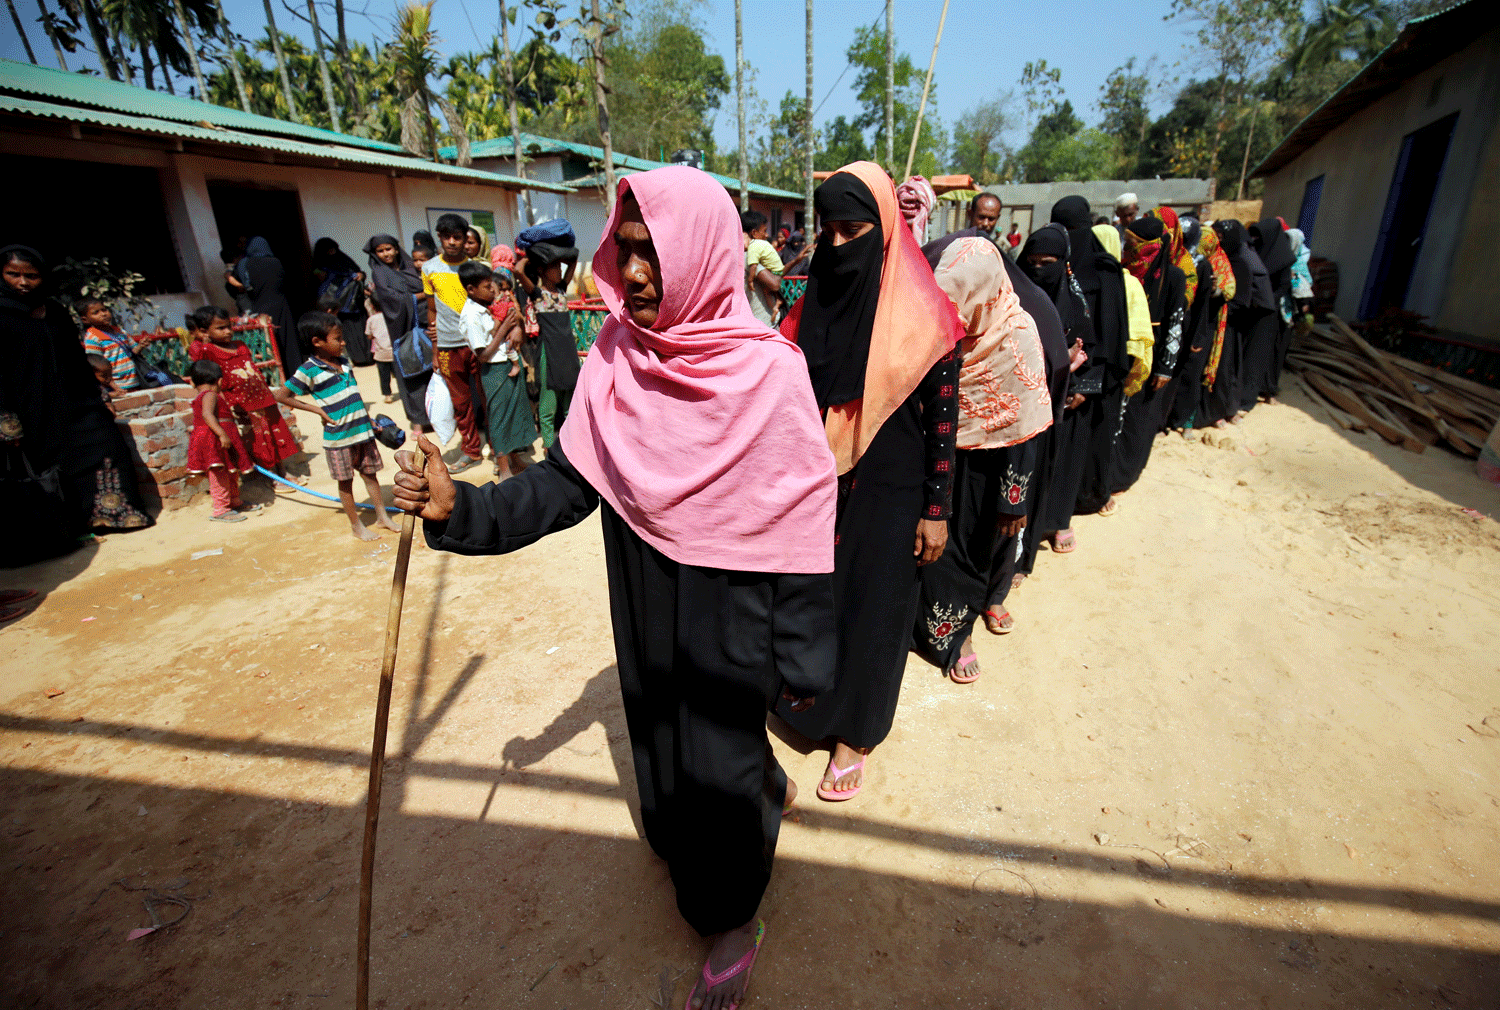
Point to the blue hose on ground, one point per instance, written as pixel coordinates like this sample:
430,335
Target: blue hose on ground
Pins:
316,494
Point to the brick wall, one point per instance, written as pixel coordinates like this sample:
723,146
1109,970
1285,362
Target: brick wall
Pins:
157,424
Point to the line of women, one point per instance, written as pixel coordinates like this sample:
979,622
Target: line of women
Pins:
782,509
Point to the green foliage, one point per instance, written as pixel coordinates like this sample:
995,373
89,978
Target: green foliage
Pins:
665,84
1124,106
776,150
978,147
375,92
842,143
1035,161
94,278
867,56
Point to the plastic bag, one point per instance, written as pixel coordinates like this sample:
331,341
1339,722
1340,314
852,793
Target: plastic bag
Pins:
440,410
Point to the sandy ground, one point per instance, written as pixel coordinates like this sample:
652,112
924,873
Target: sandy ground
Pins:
1243,749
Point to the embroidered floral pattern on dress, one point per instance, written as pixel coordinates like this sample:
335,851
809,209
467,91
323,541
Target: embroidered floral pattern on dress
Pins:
1015,484
111,507
944,622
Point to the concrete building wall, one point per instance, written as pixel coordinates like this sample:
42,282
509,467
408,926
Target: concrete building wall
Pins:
1358,162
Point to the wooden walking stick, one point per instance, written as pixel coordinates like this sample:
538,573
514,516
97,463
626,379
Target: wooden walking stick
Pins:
377,748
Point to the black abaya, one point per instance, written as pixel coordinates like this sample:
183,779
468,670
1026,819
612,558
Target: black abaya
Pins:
1146,411
265,276
702,653
989,485
1196,344
881,501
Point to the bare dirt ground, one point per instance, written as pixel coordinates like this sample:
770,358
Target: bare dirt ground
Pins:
1243,749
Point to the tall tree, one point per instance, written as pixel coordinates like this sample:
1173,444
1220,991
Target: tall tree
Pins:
664,84
515,113
60,35
978,149
355,107
739,97
843,144
890,85
596,28
333,111
1236,38
808,216
866,54
1124,99
25,42
286,81
192,48
234,63
89,12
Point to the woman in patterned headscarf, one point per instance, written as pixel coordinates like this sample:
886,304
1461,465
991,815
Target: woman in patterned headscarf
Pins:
1203,340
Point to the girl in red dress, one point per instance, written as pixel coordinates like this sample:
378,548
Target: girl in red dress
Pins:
243,389
215,448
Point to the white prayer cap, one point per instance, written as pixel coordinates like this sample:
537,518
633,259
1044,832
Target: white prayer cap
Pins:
1125,200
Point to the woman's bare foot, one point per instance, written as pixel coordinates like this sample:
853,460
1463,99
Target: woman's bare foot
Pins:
363,532
1016,580
1221,423
515,369
851,761
728,949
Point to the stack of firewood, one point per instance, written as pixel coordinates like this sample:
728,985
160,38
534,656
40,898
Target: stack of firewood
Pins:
1407,404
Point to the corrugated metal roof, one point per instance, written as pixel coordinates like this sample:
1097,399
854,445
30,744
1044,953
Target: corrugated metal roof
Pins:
729,183
1423,42
505,147
100,93
237,138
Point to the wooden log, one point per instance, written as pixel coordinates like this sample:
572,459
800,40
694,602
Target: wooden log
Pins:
1455,382
1351,403
1423,406
1406,425
1340,418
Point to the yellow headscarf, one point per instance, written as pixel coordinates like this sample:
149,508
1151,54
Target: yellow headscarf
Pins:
1137,309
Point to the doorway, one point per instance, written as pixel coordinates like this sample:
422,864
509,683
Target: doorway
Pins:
244,210
1403,226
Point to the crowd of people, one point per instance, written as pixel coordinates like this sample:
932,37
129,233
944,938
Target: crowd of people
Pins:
788,512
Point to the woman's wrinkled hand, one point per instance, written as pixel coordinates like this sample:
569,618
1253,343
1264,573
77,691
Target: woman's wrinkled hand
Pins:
932,537
428,492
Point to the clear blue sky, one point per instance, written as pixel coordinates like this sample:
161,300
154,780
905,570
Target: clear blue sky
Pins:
985,44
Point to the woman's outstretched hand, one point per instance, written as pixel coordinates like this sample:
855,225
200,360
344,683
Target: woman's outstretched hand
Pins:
428,492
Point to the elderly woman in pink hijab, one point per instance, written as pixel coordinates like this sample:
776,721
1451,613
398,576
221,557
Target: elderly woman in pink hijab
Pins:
695,433
916,197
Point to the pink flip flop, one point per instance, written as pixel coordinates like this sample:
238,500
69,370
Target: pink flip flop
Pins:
840,795
744,964
959,672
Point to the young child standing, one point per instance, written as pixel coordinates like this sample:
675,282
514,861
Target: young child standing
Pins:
244,390
454,359
494,341
379,335
215,447
348,437
107,388
545,272
104,338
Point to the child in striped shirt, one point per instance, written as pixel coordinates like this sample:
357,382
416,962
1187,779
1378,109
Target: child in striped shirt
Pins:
348,436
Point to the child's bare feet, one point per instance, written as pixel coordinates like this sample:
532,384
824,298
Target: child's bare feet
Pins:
363,532
383,520
515,369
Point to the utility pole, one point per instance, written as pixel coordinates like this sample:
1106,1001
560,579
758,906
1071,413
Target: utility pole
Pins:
890,85
515,116
192,50
739,91
807,137
916,130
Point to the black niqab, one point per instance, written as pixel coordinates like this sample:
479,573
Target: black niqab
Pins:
1272,245
843,291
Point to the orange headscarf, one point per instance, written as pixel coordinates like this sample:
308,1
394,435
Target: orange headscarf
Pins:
1177,248
915,325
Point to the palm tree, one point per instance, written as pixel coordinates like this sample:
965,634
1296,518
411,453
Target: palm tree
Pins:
234,63
286,82
411,57
333,112
87,11
595,31
192,49
515,116
25,42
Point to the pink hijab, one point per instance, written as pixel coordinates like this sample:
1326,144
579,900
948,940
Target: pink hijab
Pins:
917,198
702,431
502,257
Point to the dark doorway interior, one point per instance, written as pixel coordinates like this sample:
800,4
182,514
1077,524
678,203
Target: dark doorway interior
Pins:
242,211
1404,224
59,212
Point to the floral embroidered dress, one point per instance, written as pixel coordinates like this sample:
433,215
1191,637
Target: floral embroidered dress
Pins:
1004,404
242,387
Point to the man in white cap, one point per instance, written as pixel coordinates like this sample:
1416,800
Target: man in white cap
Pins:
1127,208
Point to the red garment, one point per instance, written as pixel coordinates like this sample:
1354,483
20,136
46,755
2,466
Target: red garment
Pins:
224,490
1014,238
204,451
243,387
459,367
500,306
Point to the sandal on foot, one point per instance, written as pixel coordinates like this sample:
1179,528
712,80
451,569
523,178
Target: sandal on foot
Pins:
463,463
997,628
1063,542
10,597
712,978
959,671
1109,508
833,795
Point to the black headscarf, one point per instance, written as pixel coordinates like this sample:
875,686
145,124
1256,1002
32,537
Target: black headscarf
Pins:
1073,213
1191,230
843,291
328,256
1252,285
16,301
1052,278
422,238
541,255
1271,243
394,285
